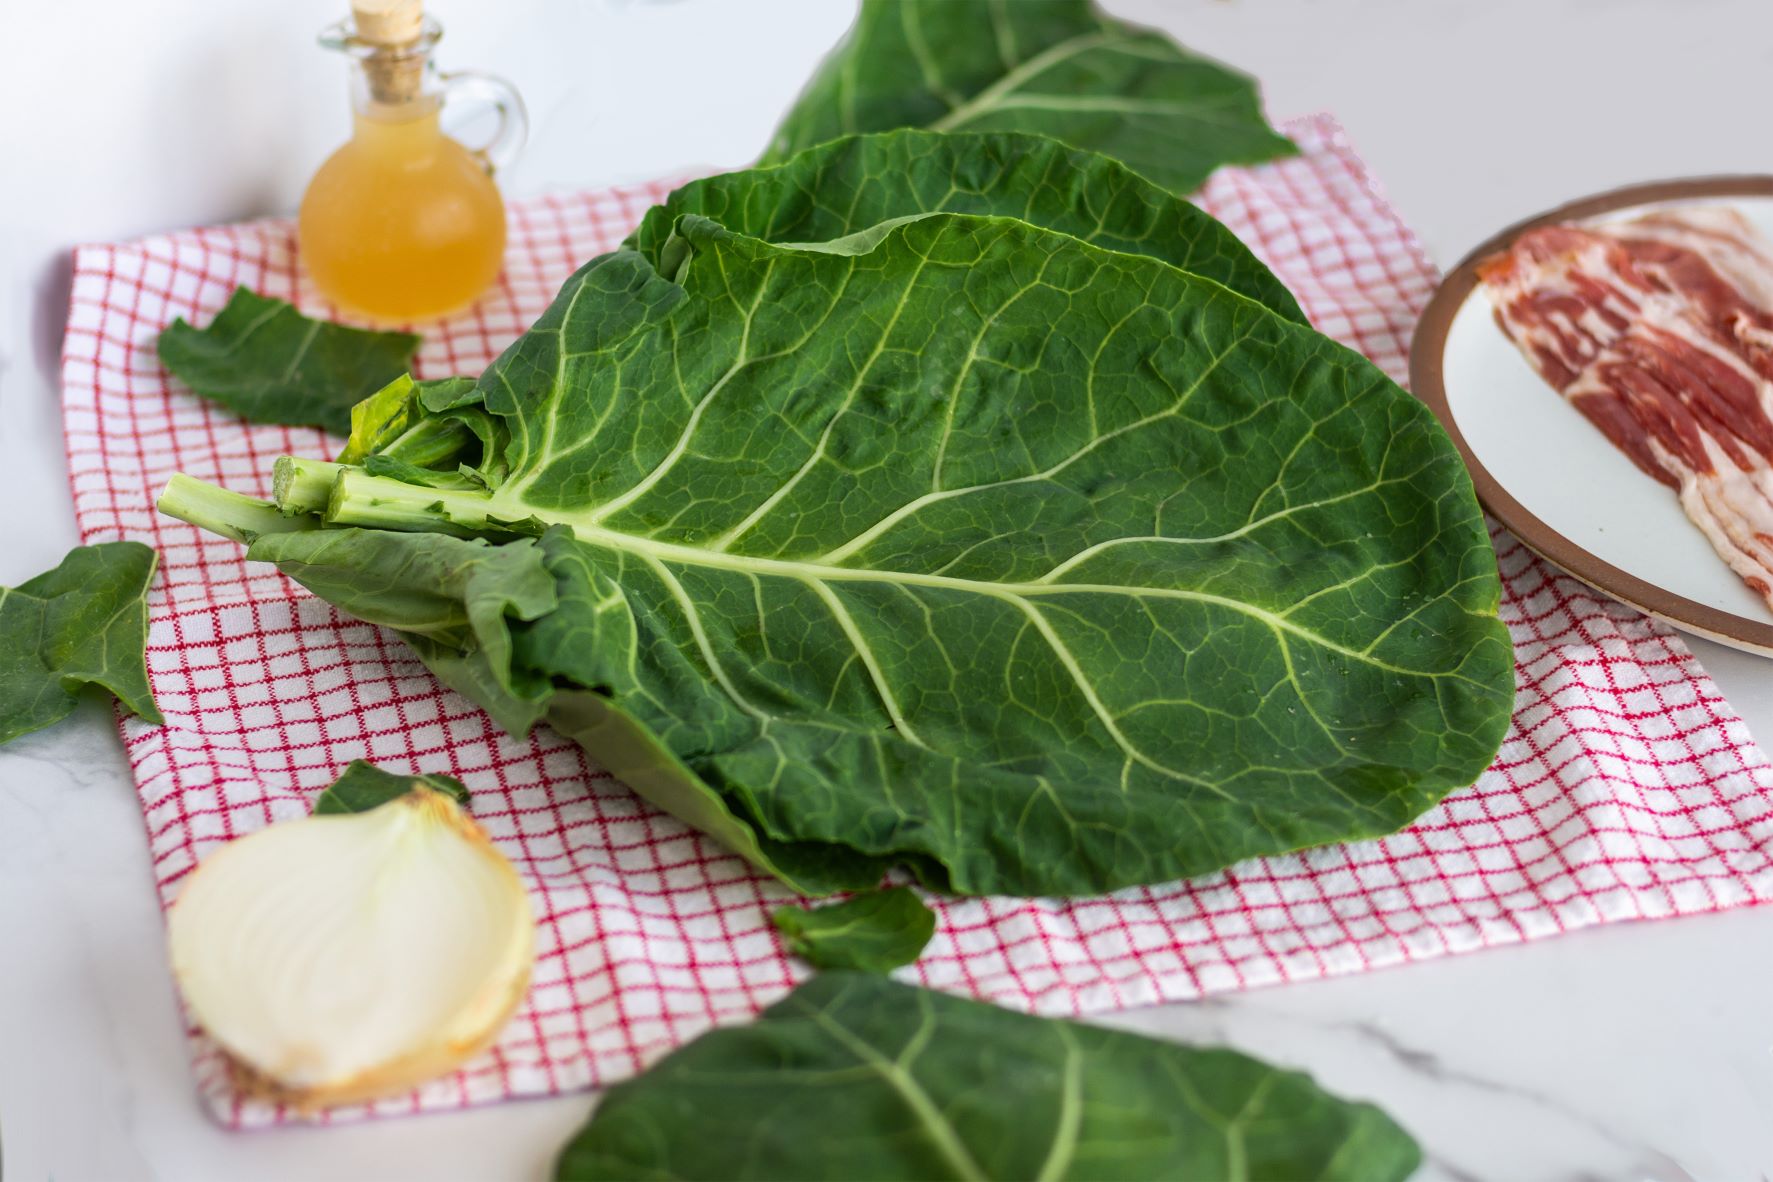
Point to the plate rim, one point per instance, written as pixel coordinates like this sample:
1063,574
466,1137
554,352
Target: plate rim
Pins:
1427,382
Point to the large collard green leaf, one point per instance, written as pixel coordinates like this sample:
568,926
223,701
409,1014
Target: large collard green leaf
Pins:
1059,68
859,182
855,1076
268,363
83,623
965,544
871,931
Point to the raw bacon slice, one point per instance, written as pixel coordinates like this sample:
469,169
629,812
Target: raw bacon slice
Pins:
1660,330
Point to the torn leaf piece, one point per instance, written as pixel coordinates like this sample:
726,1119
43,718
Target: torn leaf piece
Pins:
871,932
83,623
364,786
268,363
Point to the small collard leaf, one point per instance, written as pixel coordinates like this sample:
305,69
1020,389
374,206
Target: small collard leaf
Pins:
83,623
857,1076
872,932
364,786
268,363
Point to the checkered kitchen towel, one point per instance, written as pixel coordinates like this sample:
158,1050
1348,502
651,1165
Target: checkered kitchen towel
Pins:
1627,788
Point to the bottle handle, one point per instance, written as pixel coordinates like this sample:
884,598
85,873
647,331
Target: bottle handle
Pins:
472,87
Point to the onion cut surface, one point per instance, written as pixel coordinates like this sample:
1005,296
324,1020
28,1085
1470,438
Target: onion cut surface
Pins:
340,958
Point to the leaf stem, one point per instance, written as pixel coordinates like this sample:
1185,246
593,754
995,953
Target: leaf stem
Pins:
380,502
303,486
430,443
229,514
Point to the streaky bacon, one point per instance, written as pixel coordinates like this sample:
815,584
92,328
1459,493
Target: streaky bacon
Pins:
1659,329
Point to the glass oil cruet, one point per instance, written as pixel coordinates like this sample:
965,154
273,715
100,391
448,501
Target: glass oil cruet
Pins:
404,223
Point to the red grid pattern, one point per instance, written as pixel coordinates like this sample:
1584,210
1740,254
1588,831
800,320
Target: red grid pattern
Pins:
1627,787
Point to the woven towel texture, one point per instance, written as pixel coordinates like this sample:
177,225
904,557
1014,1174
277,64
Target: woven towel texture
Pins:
1627,787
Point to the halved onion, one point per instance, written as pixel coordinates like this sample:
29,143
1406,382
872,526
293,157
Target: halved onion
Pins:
345,957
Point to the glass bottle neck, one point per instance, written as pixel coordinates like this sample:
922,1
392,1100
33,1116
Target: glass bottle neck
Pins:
394,92
390,83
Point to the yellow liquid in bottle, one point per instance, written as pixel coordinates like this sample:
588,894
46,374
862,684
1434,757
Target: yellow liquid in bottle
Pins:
402,223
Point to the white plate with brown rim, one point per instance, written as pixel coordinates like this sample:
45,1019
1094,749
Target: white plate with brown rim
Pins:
1548,475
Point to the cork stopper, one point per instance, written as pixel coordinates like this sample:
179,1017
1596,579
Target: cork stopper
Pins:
388,22
395,71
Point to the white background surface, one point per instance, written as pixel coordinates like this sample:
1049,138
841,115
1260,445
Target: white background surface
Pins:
1631,1052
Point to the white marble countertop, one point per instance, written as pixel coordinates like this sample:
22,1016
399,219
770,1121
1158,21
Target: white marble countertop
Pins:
1629,1052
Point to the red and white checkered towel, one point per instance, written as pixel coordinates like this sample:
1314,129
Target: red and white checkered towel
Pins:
1627,788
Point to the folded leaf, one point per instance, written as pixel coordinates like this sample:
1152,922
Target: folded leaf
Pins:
856,1076
859,182
1059,68
268,363
364,786
959,543
83,623
872,932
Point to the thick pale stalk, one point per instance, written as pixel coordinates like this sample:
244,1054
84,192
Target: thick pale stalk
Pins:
303,486
380,502
226,513
430,443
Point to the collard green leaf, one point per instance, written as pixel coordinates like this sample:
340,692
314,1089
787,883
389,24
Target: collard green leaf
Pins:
959,543
380,418
364,786
872,932
383,423
1059,68
856,1076
83,623
268,363
859,182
